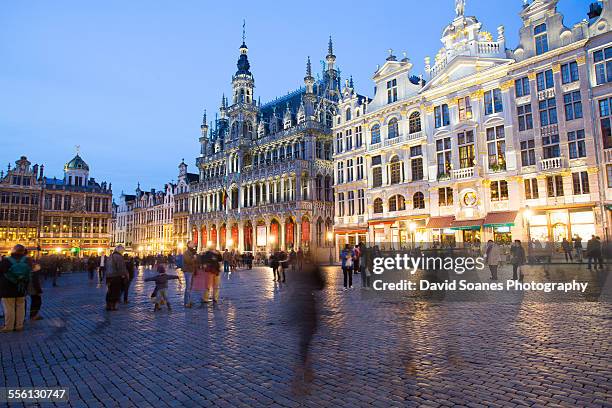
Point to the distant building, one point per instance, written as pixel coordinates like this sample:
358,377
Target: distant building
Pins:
69,216
155,222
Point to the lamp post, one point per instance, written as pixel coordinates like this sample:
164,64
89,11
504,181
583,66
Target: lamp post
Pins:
527,214
330,238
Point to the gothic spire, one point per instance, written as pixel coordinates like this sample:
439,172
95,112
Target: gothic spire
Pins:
330,47
308,68
204,118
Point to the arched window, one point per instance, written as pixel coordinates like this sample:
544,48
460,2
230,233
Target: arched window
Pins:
418,200
378,206
393,129
414,122
375,134
348,114
397,203
395,170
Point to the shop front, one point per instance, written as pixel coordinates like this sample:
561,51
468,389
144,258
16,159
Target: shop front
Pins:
554,225
470,231
441,232
498,226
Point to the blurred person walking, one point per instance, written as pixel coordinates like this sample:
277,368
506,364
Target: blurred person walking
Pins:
492,258
189,265
116,271
517,259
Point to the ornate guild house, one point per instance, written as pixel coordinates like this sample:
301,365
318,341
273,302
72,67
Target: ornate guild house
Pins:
494,143
266,169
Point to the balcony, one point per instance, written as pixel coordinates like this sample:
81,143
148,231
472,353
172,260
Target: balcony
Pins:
546,94
551,164
549,130
608,156
404,138
462,174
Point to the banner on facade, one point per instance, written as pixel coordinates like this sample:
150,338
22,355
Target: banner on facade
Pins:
261,236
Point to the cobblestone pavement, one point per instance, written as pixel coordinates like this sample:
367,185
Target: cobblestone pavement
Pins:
370,350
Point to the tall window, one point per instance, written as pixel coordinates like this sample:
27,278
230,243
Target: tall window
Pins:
525,119
392,91
576,143
569,72
465,141
348,114
573,105
359,168
395,170
545,80
496,148
418,201
392,129
605,118
340,173
358,137
445,196
465,108
441,115
541,39
580,181
554,185
493,101
360,202
340,204
609,172
375,134
416,162
531,188
499,190
348,140
521,87
351,203
528,153
414,122
550,146
376,171
378,206
548,112
397,203
349,170
603,65
443,155
339,142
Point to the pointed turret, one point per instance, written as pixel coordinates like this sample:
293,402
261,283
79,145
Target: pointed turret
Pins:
203,135
287,121
308,79
243,81
331,58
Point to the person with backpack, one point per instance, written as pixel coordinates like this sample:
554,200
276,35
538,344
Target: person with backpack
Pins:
116,272
15,274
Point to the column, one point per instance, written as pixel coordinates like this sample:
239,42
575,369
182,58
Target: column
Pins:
240,242
298,234
254,233
282,235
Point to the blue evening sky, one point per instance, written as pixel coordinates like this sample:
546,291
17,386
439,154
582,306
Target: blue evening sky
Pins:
128,80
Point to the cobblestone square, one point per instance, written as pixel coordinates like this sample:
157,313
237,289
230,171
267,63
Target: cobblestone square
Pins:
369,350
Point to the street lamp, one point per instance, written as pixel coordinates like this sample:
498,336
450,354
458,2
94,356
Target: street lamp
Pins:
208,244
330,237
230,243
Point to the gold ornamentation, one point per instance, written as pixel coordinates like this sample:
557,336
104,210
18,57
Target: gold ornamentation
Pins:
479,94
556,68
531,76
592,170
429,109
581,60
507,85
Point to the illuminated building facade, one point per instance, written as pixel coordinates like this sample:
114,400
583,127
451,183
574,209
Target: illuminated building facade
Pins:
266,170
494,144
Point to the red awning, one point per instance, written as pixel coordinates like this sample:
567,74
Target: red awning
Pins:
440,222
505,218
467,224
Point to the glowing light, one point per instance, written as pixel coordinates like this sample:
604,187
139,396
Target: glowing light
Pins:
272,239
330,236
209,244
528,213
141,248
180,245
412,227
58,250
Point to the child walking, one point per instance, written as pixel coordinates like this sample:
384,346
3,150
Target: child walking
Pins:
161,287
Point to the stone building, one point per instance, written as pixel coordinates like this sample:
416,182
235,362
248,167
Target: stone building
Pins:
495,143
266,169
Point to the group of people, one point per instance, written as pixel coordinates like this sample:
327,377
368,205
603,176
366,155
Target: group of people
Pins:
281,261
19,277
358,259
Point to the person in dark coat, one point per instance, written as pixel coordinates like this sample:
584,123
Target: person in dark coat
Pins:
35,291
593,250
116,271
517,258
125,289
92,263
12,293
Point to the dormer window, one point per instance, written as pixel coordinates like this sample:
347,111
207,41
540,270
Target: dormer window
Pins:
348,114
540,38
392,91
